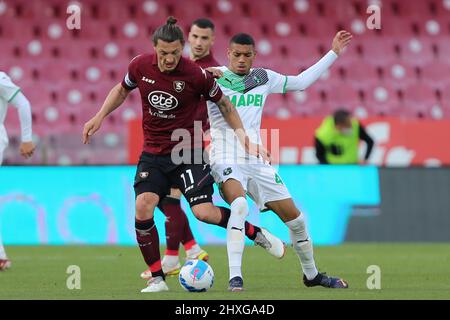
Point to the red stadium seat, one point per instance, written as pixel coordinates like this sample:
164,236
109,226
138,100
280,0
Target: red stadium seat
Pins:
399,74
419,99
436,74
416,51
443,46
379,52
405,8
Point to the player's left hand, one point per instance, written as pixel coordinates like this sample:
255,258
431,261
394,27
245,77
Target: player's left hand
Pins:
27,149
217,73
340,41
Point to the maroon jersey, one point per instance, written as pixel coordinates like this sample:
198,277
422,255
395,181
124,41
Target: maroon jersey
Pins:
169,100
202,111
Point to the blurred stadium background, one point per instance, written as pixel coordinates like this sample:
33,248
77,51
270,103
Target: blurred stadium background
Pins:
396,80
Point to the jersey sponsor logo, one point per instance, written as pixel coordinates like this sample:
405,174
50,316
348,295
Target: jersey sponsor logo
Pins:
178,85
214,90
247,100
148,80
162,100
203,196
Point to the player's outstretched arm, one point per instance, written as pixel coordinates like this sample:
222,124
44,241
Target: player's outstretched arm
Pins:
234,121
115,98
310,75
24,110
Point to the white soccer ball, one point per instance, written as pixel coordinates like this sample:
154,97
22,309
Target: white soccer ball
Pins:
196,276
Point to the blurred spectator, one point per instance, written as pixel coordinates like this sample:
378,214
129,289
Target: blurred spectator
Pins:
337,139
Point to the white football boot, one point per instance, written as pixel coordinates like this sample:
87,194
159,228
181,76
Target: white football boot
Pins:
156,284
272,244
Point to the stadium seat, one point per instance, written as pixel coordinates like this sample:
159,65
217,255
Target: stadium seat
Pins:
399,74
404,8
275,105
443,46
359,74
416,51
379,51
311,102
436,74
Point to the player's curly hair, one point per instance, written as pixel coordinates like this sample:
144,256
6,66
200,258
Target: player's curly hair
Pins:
169,32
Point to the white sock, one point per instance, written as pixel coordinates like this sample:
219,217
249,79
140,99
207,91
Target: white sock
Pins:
170,260
235,236
193,251
303,246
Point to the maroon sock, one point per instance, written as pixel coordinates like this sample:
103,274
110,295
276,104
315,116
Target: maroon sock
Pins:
175,223
148,241
188,237
178,228
250,229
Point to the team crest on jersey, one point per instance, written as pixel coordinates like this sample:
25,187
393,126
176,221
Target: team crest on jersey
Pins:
178,85
227,171
143,174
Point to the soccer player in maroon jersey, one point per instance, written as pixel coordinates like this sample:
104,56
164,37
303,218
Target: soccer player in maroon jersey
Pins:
201,39
170,88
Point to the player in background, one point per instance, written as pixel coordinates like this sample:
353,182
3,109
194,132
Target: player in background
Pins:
238,173
201,40
11,94
170,87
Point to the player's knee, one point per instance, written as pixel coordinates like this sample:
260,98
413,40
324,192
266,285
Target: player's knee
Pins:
145,205
203,211
239,206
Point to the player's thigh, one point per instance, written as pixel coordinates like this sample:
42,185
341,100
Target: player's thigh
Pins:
285,209
149,179
265,185
231,189
232,182
195,182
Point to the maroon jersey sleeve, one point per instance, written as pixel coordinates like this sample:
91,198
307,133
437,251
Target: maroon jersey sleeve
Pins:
211,89
129,82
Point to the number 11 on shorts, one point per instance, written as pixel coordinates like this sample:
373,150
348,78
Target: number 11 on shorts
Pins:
191,178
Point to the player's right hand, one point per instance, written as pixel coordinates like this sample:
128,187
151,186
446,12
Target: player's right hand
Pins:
27,149
217,73
340,41
258,151
90,128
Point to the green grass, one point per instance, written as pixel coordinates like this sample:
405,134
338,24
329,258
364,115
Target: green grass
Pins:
408,271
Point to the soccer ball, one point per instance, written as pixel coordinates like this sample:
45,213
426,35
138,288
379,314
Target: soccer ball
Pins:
196,276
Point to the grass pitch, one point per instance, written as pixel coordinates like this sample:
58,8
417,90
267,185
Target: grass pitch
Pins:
408,271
